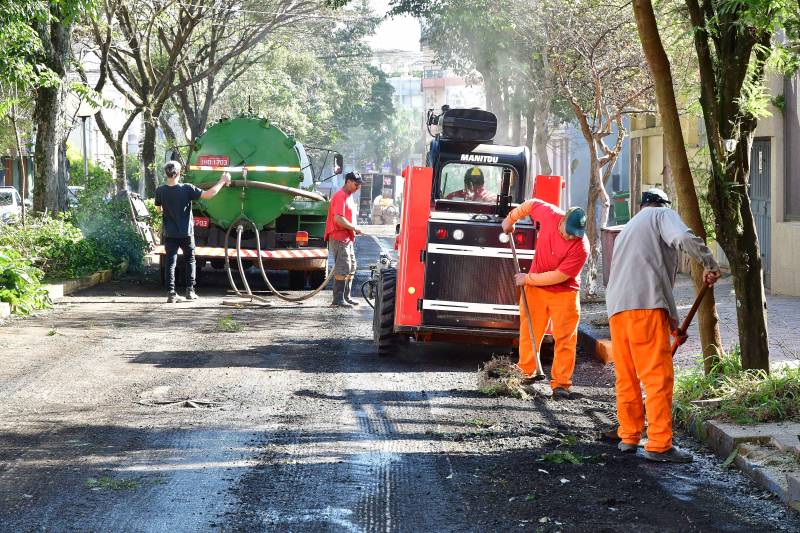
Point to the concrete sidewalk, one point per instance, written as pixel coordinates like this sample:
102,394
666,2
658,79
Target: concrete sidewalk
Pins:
783,323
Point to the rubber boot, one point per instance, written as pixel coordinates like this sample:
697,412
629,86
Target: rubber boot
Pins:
338,294
348,288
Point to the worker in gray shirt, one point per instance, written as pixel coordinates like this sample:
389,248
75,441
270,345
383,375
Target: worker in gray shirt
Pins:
642,314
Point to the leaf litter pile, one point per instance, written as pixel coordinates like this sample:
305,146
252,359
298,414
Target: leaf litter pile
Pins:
500,377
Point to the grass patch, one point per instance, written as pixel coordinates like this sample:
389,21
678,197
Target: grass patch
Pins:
479,423
52,333
736,395
561,457
107,482
228,325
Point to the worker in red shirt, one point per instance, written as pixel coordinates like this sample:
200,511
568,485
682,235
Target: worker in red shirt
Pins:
340,232
552,287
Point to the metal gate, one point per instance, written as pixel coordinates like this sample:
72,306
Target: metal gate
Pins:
760,199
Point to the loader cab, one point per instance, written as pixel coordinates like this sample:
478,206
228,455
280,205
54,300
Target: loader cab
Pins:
477,177
453,280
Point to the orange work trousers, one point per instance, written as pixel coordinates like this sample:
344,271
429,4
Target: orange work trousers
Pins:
563,308
640,344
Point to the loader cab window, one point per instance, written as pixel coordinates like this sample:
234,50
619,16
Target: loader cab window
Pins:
473,183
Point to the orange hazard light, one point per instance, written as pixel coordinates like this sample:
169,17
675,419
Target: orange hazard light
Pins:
301,238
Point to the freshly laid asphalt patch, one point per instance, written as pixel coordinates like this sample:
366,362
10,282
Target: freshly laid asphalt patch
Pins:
298,426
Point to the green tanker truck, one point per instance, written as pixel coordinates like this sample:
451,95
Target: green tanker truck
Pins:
272,190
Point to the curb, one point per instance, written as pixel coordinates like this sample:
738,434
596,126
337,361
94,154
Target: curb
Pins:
762,452
595,343
57,291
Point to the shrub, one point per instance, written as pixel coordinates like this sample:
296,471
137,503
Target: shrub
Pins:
20,283
734,394
156,220
63,250
107,224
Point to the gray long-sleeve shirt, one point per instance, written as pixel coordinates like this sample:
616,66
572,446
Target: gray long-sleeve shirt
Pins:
645,261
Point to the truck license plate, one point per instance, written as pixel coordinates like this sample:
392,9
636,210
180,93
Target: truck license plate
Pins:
201,222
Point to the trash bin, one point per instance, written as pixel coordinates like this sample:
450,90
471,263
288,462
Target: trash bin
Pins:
607,237
622,208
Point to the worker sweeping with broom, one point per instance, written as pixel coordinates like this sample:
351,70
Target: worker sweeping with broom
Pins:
552,288
642,314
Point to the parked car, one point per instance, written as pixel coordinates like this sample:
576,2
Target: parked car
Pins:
10,204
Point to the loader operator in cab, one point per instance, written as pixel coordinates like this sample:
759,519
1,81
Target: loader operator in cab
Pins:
552,287
174,200
340,232
642,313
474,188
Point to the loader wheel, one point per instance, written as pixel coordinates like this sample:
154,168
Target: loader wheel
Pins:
386,340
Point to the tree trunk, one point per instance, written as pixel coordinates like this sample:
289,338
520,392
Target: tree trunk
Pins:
22,163
532,163
55,38
722,73
751,303
541,137
516,128
62,176
169,132
46,116
636,175
504,115
120,172
117,144
681,172
494,103
149,154
597,195
736,233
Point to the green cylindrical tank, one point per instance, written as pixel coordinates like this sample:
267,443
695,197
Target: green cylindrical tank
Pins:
239,142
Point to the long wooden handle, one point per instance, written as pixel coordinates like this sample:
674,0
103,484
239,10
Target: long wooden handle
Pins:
539,374
695,306
689,316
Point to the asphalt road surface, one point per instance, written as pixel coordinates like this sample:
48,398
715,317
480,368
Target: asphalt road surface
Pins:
120,412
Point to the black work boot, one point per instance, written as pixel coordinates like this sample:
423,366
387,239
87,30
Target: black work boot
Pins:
348,288
338,294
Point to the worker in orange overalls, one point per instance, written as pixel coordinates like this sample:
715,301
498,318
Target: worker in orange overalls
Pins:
642,313
552,287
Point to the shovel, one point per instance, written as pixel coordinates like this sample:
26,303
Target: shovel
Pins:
538,374
688,320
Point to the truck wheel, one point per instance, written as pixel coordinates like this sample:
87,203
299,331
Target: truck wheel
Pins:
316,277
384,336
297,280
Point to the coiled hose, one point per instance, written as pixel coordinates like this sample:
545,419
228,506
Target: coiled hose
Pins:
249,293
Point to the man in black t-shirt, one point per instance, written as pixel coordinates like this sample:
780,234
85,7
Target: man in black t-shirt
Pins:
174,200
